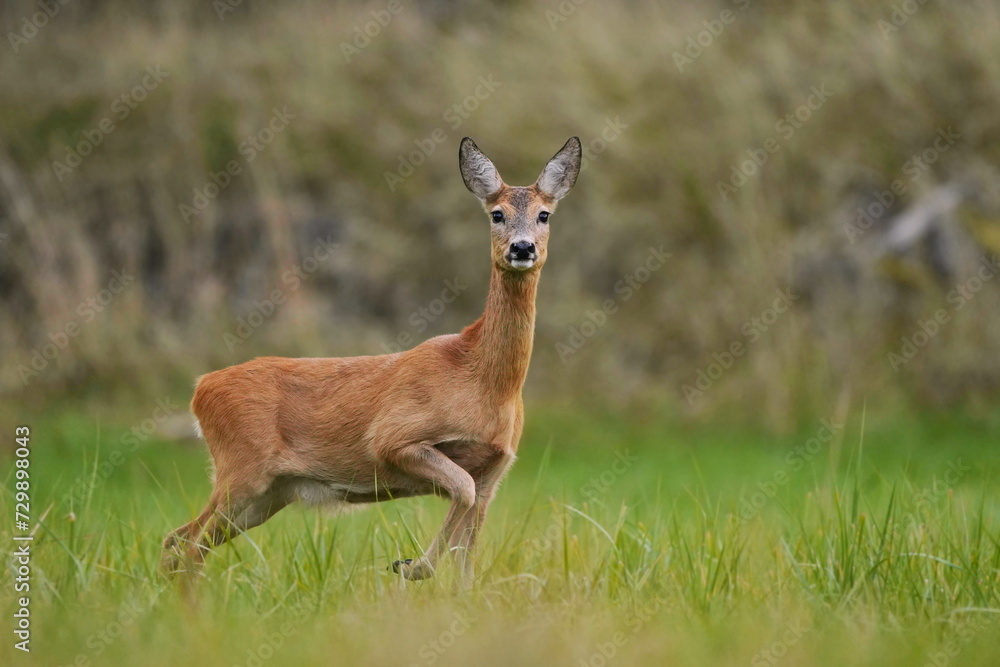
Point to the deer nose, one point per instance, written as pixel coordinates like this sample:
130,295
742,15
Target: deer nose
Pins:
522,250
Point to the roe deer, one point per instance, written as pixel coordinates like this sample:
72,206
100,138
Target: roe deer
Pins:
442,418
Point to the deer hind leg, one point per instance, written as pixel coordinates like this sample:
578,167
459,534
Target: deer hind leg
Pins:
229,512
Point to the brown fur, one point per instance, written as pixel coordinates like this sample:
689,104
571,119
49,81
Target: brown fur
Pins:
442,418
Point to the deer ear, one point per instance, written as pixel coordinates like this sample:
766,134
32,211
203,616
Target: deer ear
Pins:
479,174
560,173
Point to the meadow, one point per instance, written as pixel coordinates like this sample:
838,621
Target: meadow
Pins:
775,448
616,539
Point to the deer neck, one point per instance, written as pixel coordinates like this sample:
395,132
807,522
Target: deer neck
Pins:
500,341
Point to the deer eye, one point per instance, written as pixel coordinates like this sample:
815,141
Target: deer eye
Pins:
543,216
498,216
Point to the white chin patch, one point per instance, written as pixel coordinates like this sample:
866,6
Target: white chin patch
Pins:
522,263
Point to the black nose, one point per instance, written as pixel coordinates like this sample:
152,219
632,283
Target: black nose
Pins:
522,250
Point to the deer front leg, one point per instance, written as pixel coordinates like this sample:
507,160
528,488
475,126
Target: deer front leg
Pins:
426,463
463,540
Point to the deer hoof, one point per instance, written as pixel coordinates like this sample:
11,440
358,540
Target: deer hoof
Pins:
398,565
414,570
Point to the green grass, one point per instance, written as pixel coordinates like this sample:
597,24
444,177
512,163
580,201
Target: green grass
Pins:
614,534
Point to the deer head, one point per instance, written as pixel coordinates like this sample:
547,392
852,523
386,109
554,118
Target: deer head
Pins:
519,216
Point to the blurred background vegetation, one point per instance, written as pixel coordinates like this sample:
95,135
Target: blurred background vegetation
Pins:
692,94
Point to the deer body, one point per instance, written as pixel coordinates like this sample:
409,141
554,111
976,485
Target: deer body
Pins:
442,418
